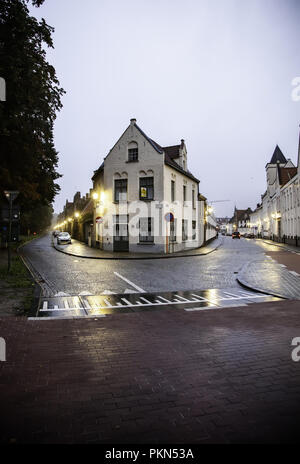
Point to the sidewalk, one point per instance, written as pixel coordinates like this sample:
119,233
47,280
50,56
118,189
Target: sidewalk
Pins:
284,246
81,250
268,276
217,376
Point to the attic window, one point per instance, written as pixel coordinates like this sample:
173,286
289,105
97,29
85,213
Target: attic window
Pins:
133,152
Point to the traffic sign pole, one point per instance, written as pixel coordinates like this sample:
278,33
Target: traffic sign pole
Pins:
11,196
9,234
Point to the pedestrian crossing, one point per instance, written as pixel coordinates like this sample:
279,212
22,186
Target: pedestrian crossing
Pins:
104,304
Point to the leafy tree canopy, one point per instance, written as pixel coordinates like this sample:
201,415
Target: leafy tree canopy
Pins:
33,98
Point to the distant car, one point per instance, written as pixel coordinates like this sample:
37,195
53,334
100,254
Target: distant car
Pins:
236,235
63,237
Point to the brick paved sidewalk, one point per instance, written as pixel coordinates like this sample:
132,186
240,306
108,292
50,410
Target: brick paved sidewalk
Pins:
153,377
82,250
283,246
268,276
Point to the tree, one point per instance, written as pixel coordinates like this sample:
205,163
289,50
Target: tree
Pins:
33,98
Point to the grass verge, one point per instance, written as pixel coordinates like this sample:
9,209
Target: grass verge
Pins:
16,286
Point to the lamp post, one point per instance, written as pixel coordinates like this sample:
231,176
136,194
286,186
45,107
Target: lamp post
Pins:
11,195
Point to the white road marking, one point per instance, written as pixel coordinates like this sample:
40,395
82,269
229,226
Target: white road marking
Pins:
126,301
139,289
45,305
129,290
53,318
85,293
184,299
164,299
232,296
282,265
66,304
107,302
107,292
200,298
56,308
144,299
86,304
294,273
62,294
202,309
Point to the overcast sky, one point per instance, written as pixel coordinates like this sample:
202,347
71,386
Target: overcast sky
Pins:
217,73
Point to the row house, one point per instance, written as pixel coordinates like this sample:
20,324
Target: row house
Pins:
146,199
277,217
77,217
240,221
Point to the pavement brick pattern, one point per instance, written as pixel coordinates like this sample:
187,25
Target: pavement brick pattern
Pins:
153,377
271,277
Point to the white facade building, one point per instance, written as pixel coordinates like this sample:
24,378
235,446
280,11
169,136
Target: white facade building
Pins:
277,217
146,199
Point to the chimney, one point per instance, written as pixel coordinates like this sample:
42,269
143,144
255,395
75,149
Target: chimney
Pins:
132,121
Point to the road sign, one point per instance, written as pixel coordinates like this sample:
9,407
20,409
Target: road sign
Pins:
169,217
99,220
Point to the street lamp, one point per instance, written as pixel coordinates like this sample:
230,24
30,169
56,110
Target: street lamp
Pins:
77,215
11,195
95,196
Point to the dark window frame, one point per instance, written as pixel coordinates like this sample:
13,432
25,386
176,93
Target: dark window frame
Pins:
184,230
133,154
119,187
172,191
148,183
194,230
150,237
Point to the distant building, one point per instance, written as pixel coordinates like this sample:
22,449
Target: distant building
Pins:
240,221
277,217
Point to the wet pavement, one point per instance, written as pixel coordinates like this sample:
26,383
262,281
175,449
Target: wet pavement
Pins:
74,276
81,250
235,262
153,377
277,273
101,305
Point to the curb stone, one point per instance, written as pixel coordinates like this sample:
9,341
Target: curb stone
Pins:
137,257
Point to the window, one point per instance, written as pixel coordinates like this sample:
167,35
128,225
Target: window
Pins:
184,230
146,188
193,199
173,231
120,190
146,230
194,230
172,191
184,193
133,152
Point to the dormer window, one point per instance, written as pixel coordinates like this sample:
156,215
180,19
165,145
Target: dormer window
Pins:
133,152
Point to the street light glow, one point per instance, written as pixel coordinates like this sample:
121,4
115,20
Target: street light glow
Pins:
95,196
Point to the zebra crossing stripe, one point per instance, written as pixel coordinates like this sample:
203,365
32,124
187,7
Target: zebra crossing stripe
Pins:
163,299
144,299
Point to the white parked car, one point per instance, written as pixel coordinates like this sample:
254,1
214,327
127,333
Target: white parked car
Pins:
63,237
